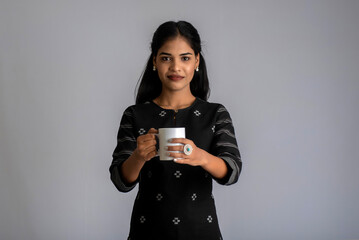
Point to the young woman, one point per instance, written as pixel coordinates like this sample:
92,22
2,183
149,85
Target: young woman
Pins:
174,199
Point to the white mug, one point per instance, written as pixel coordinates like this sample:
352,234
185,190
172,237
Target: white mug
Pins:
165,135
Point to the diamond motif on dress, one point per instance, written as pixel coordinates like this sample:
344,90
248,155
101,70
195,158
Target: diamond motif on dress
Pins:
141,131
194,196
206,175
162,114
197,113
213,128
178,174
159,197
209,218
142,219
149,174
176,221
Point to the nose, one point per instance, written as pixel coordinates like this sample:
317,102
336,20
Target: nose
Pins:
175,65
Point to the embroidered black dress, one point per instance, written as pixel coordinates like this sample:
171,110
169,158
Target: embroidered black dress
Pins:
175,201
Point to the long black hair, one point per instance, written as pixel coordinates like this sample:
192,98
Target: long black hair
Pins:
150,85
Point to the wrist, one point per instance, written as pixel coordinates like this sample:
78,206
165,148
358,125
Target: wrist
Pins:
204,158
137,158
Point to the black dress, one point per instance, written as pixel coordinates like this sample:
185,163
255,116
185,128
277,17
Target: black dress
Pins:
175,201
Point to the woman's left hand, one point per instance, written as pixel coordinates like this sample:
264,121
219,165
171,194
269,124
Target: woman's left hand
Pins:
196,158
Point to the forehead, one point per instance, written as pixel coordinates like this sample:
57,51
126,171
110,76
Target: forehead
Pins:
176,45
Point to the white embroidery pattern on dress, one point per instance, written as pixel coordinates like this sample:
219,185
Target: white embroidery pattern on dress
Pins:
176,221
214,128
197,113
162,114
141,131
209,218
142,219
159,197
194,196
178,174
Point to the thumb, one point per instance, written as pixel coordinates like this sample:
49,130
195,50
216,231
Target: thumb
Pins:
152,130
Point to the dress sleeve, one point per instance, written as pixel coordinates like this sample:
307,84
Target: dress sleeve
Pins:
126,144
225,146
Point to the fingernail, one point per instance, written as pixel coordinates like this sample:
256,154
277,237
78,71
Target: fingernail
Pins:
175,160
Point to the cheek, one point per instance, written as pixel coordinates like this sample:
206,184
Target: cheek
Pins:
190,70
161,74
161,71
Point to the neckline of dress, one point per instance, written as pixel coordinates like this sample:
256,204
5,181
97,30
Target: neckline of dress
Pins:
180,109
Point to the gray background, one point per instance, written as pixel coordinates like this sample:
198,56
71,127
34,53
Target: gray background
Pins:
286,70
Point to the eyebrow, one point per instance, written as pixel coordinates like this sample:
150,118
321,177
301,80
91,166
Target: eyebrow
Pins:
182,54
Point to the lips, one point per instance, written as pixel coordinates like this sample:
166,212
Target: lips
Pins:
174,77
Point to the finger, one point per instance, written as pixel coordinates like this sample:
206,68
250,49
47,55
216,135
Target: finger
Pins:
151,155
147,153
151,149
178,155
153,130
147,147
182,161
175,148
181,140
147,137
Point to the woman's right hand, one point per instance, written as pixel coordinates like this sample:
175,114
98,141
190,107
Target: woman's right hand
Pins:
146,146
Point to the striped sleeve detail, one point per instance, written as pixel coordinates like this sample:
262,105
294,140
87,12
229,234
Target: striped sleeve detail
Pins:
116,178
124,139
128,114
126,144
224,131
225,146
231,162
122,153
126,126
221,121
221,109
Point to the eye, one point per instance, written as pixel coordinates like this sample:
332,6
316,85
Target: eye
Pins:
165,59
185,58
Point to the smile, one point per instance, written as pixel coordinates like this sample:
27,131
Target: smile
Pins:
175,77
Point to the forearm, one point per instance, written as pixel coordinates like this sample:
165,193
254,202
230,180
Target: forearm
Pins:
131,168
214,165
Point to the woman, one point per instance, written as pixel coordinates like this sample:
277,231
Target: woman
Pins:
174,199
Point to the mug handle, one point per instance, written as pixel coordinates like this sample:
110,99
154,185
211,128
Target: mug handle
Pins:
157,144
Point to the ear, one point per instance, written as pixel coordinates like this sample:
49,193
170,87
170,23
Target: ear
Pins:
197,60
154,60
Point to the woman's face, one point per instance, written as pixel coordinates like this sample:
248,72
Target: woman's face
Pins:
176,63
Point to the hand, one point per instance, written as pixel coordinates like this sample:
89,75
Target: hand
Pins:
146,146
196,158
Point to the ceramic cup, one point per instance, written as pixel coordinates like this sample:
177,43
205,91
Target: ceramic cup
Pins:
164,136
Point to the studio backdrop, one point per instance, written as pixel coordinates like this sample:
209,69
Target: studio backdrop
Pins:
287,71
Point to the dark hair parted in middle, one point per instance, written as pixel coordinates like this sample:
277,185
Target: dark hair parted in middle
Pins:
150,85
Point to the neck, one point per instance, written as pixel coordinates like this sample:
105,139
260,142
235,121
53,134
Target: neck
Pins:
175,100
